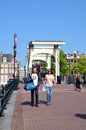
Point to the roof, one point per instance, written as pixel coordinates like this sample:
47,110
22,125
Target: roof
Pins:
47,42
8,56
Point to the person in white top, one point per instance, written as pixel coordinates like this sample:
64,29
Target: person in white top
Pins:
50,82
34,91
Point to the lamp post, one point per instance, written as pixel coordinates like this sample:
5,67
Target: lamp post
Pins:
69,68
68,59
14,47
18,69
24,71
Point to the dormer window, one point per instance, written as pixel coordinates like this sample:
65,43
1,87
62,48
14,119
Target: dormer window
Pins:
4,59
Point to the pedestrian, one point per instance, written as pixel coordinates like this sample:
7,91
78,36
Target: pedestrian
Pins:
50,82
78,81
34,92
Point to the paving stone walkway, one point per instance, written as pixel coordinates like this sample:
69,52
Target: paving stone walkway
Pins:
67,111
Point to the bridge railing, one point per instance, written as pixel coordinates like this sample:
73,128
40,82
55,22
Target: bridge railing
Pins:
6,91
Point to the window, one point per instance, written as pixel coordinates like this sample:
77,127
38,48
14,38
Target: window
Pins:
6,71
2,71
74,60
4,59
75,55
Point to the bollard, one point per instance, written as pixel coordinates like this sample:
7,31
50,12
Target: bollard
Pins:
59,79
16,82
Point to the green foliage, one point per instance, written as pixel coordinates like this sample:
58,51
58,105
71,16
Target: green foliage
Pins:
80,65
0,65
44,65
53,64
63,64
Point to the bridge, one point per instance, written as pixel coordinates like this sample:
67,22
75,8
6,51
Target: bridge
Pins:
42,50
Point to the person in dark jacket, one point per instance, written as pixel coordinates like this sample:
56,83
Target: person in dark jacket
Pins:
34,91
78,82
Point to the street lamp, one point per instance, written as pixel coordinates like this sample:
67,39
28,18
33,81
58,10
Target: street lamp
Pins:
24,71
14,47
68,59
69,69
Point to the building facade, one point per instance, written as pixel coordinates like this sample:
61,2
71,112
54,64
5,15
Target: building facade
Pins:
72,58
7,67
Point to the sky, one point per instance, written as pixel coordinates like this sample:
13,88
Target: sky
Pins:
56,20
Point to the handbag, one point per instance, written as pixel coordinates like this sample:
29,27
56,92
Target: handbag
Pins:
44,86
29,86
81,80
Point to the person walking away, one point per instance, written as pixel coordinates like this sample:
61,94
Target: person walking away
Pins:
78,82
34,92
50,82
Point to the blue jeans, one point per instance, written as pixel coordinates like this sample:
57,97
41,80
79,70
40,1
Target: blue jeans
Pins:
49,94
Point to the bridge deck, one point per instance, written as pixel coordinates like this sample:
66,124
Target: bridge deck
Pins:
67,111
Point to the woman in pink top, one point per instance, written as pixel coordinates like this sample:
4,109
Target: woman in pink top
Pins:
50,82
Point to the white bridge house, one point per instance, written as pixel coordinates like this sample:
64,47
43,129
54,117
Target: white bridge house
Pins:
42,50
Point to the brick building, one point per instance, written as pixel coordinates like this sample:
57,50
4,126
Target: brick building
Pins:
7,67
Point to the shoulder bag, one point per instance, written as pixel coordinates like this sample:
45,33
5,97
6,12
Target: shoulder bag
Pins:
29,86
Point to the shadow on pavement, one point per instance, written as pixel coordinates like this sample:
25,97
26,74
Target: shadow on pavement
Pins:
26,103
42,102
83,116
29,103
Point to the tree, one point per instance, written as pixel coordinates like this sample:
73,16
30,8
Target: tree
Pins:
63,64
53,64
43,65
80,65
0,65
